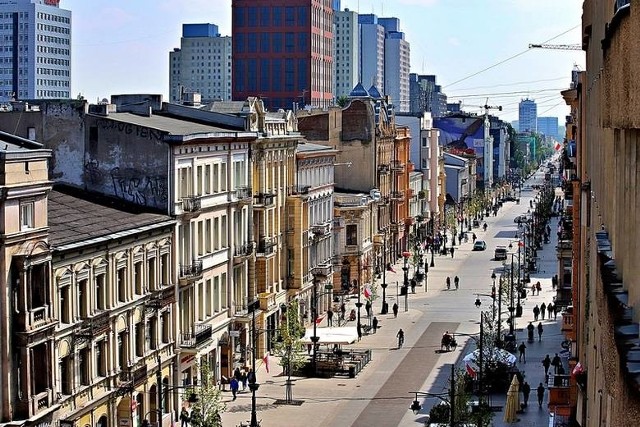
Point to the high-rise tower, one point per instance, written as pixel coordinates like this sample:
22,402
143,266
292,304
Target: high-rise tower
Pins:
35,50
283,52
528,115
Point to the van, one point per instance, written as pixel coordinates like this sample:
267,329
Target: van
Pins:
500,253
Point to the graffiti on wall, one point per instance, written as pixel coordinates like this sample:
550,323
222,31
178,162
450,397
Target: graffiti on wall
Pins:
132,129
92,173
139,187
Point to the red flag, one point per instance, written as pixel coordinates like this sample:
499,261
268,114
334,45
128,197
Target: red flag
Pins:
557,146
471,371
319,319
265,359
521,243
390,268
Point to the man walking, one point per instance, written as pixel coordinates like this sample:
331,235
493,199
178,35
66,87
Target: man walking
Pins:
374,324
540,395
521,350
546,362
536,312
543,310
540,329
550,309
526,390
556,363
329,317
234,387
343,311
395,309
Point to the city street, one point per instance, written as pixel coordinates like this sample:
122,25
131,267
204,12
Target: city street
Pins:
380,395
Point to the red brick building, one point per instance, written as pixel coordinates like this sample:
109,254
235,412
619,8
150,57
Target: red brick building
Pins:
282,52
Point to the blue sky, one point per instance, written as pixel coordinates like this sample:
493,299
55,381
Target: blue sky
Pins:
122,46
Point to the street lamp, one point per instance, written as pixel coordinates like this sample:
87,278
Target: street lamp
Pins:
253,385
416,406
315,338
385,307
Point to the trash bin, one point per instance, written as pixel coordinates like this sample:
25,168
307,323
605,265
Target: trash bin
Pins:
352,371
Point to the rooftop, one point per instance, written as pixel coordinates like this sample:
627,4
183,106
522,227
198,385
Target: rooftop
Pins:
170,125
77,216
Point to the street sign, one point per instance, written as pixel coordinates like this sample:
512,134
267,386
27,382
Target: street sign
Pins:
234,334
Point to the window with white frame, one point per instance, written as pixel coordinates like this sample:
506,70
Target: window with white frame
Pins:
26,216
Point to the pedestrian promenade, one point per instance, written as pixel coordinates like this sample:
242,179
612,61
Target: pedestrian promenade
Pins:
379,395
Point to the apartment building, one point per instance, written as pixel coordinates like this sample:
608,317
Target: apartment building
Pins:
202,64
346,51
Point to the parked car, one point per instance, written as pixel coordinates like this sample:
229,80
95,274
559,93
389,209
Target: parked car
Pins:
479,245
500,253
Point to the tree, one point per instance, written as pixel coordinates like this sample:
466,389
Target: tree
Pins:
206,400
289,347
342,101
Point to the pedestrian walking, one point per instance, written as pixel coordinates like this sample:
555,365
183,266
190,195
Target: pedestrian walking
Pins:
546,362
536,312
395,309
530,329
474,237
456,281
448,281
556,363
543,310
343,311
521,350
413,286
538,287
243,380
367,307
185,419
540,395
451,250
533,290
549,310
234,387
526,390
374,324
540,330
329,317
554,282
237,374
359,329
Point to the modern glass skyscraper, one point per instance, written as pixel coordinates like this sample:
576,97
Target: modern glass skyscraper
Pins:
548,126
528,116
283,52
202,64
35,50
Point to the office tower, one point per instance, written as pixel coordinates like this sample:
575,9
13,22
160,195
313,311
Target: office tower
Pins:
426,95
36,50
528,115
346,51
548,126
282,52
396,63
201,64
371,61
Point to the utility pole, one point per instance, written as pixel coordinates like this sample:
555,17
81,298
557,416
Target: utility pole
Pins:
453,395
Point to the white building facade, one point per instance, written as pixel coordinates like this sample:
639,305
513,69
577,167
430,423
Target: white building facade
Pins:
397,57
40,31
201,64
346,52
371,59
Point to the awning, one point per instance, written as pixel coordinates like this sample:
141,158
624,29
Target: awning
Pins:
338,335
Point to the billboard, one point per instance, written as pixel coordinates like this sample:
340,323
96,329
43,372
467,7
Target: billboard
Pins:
463,133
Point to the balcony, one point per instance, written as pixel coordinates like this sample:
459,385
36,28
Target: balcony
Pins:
191,204
243,194
267,300
264,200
383,169
351,249
33,405
160,299
90,328
322,270
189,273
266,246
320,230
242,252
397,166
396,195
134,375
202,334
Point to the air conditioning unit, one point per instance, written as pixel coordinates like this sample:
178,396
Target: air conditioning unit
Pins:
375,194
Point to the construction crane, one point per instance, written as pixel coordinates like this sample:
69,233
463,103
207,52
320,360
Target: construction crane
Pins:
556,46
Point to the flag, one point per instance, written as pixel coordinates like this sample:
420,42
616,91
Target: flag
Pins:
265,359
390,268
367,292
521,243
471,371
557,146
319,319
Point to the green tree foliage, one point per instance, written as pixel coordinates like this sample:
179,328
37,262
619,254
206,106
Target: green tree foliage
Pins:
289,347
206,400
342,101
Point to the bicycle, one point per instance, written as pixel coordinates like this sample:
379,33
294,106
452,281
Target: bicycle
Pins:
400,336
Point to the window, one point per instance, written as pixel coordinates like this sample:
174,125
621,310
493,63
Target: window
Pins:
424,142
138,279
207,179
164,265
207,235
153,333
65,304
216,234
223,177
223,227
352,234
83,299
101,358
101,297
66,377
200,238
199,180
166,324
151,267
83,366
122,284
26,216
140,337
123,350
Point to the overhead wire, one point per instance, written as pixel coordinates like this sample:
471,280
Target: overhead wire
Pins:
507,59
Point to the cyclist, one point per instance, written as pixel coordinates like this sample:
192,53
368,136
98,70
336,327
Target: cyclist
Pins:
456,281
400,336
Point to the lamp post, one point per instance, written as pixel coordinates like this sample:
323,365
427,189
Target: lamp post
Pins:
405,285
253,385
451,401
385,308
315,338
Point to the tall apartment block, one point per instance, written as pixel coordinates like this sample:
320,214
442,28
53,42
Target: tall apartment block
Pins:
548,126
426,95
346,52
35,50
371,61
528,115
201,64
396,64
282,52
